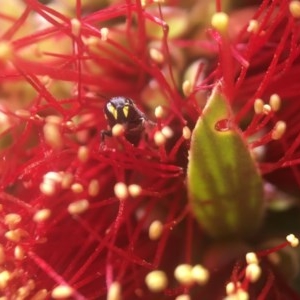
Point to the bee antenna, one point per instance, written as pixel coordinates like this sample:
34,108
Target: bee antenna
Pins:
103,96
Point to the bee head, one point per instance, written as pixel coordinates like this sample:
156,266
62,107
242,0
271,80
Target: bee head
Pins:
120,110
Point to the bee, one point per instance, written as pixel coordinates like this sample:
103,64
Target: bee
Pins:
122,110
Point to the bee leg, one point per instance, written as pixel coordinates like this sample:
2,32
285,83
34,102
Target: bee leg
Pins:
103,134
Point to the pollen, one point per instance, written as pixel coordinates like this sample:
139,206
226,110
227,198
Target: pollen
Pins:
159,112
239,294
187,88
143,3
31,284
118,130
253,26
19,253
77,188
53,135
279,130
275,102
53,176
167,132
12,220
156,55
70,124
5,122
75,25
114,291
183,297
91,41
12,235
40,295
134,190
200,274
53,119
121,191
156,281
258,106
251,258
78,207
5,277
61,292
261,108
220,21
45,80
267,109
36,117
16,235
183,274
83,154
23,113
155,230
6,50
253,272
67,179
48,188
159,138
23,292
2,254
293,240
295,8
186,133
104,33
93,188
231,287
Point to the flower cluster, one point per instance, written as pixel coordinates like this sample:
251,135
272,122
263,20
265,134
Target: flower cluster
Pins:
87,212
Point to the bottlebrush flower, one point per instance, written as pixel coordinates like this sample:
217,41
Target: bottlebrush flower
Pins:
202,204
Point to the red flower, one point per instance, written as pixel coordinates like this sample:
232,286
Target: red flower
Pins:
85,218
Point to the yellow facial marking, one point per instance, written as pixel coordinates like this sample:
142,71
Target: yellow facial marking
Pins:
126,110
112,110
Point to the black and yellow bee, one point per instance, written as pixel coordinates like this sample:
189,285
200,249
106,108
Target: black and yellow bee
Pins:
122,110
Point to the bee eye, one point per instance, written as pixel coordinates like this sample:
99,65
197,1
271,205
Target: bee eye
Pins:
126,110
112,110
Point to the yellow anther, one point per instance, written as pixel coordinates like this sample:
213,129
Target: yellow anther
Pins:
292,240
134,190
156,281
253,272
251,258
159,112
156,55
253,26
279,130
220,21
62,292
104,31
78,207
183,274
114,291
155,230
275,102
121,190
93,188
294,7
258,106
